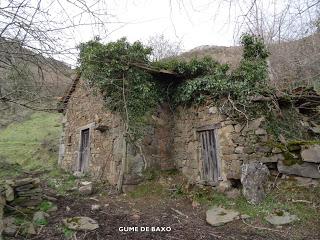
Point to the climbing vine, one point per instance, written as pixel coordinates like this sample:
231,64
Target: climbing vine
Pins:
134,92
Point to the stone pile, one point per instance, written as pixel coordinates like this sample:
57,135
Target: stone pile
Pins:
24,192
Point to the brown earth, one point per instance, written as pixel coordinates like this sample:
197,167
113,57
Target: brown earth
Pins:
185,221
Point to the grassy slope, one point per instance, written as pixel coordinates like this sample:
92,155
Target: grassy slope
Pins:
32,143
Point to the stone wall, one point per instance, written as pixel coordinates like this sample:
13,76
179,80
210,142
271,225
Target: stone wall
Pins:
238,144
86,108
172,140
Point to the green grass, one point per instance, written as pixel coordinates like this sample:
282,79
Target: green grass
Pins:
45,206
276,200
147,189
32,143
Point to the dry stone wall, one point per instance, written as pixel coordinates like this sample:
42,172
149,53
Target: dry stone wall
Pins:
86,108
171,140
237,144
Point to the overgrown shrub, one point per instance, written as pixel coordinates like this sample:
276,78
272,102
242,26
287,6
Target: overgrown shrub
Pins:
133,92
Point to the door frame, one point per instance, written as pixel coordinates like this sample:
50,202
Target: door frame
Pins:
90,127
215,128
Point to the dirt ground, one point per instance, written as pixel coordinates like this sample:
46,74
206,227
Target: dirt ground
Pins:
185,221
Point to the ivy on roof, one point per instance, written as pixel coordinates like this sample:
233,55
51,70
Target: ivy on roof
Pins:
133,85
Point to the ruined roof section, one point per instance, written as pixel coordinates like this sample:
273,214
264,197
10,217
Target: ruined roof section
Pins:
62,105
159,74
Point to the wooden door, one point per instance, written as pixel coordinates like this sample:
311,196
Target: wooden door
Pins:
84,149
210,167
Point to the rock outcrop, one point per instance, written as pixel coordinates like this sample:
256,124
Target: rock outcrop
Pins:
253,178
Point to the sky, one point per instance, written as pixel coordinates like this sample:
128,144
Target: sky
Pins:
192,23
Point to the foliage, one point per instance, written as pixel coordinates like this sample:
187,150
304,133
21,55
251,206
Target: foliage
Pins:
45,206
247,80
193,68
127,89
134,93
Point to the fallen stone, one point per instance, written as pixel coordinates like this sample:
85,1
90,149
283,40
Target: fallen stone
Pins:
311,154
9,193
53,208
281,218
306,169
306,182
81,223
260,131
95,207
218,216
10,228
39,217
254,177
244,216
86,189
29,229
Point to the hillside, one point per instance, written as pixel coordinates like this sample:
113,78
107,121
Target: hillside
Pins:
31,79
293,62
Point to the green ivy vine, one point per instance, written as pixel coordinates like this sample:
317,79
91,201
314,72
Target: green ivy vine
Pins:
135,93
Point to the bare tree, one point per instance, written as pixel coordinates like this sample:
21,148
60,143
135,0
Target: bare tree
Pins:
163,47
33,33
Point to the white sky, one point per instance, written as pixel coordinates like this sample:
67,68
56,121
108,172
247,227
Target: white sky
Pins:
194,24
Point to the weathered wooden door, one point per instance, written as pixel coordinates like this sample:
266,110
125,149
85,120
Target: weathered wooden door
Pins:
210,166
84,149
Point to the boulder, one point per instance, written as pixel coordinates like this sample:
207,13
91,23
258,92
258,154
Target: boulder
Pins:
311,154
86,188
306,169
254,177
218,216
81,223
281,218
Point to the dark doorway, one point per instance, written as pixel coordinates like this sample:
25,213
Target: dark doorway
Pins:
210,167
84,150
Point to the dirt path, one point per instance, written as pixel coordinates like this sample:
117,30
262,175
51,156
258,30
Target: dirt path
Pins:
184,221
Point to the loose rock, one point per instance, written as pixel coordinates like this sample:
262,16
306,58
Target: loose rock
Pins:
9,227
218,216
95,207
81,223
254,177
281,218
86,189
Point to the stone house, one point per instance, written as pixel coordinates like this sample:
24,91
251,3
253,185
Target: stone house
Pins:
206,146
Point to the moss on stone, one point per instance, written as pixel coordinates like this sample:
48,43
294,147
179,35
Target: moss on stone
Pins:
290,160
